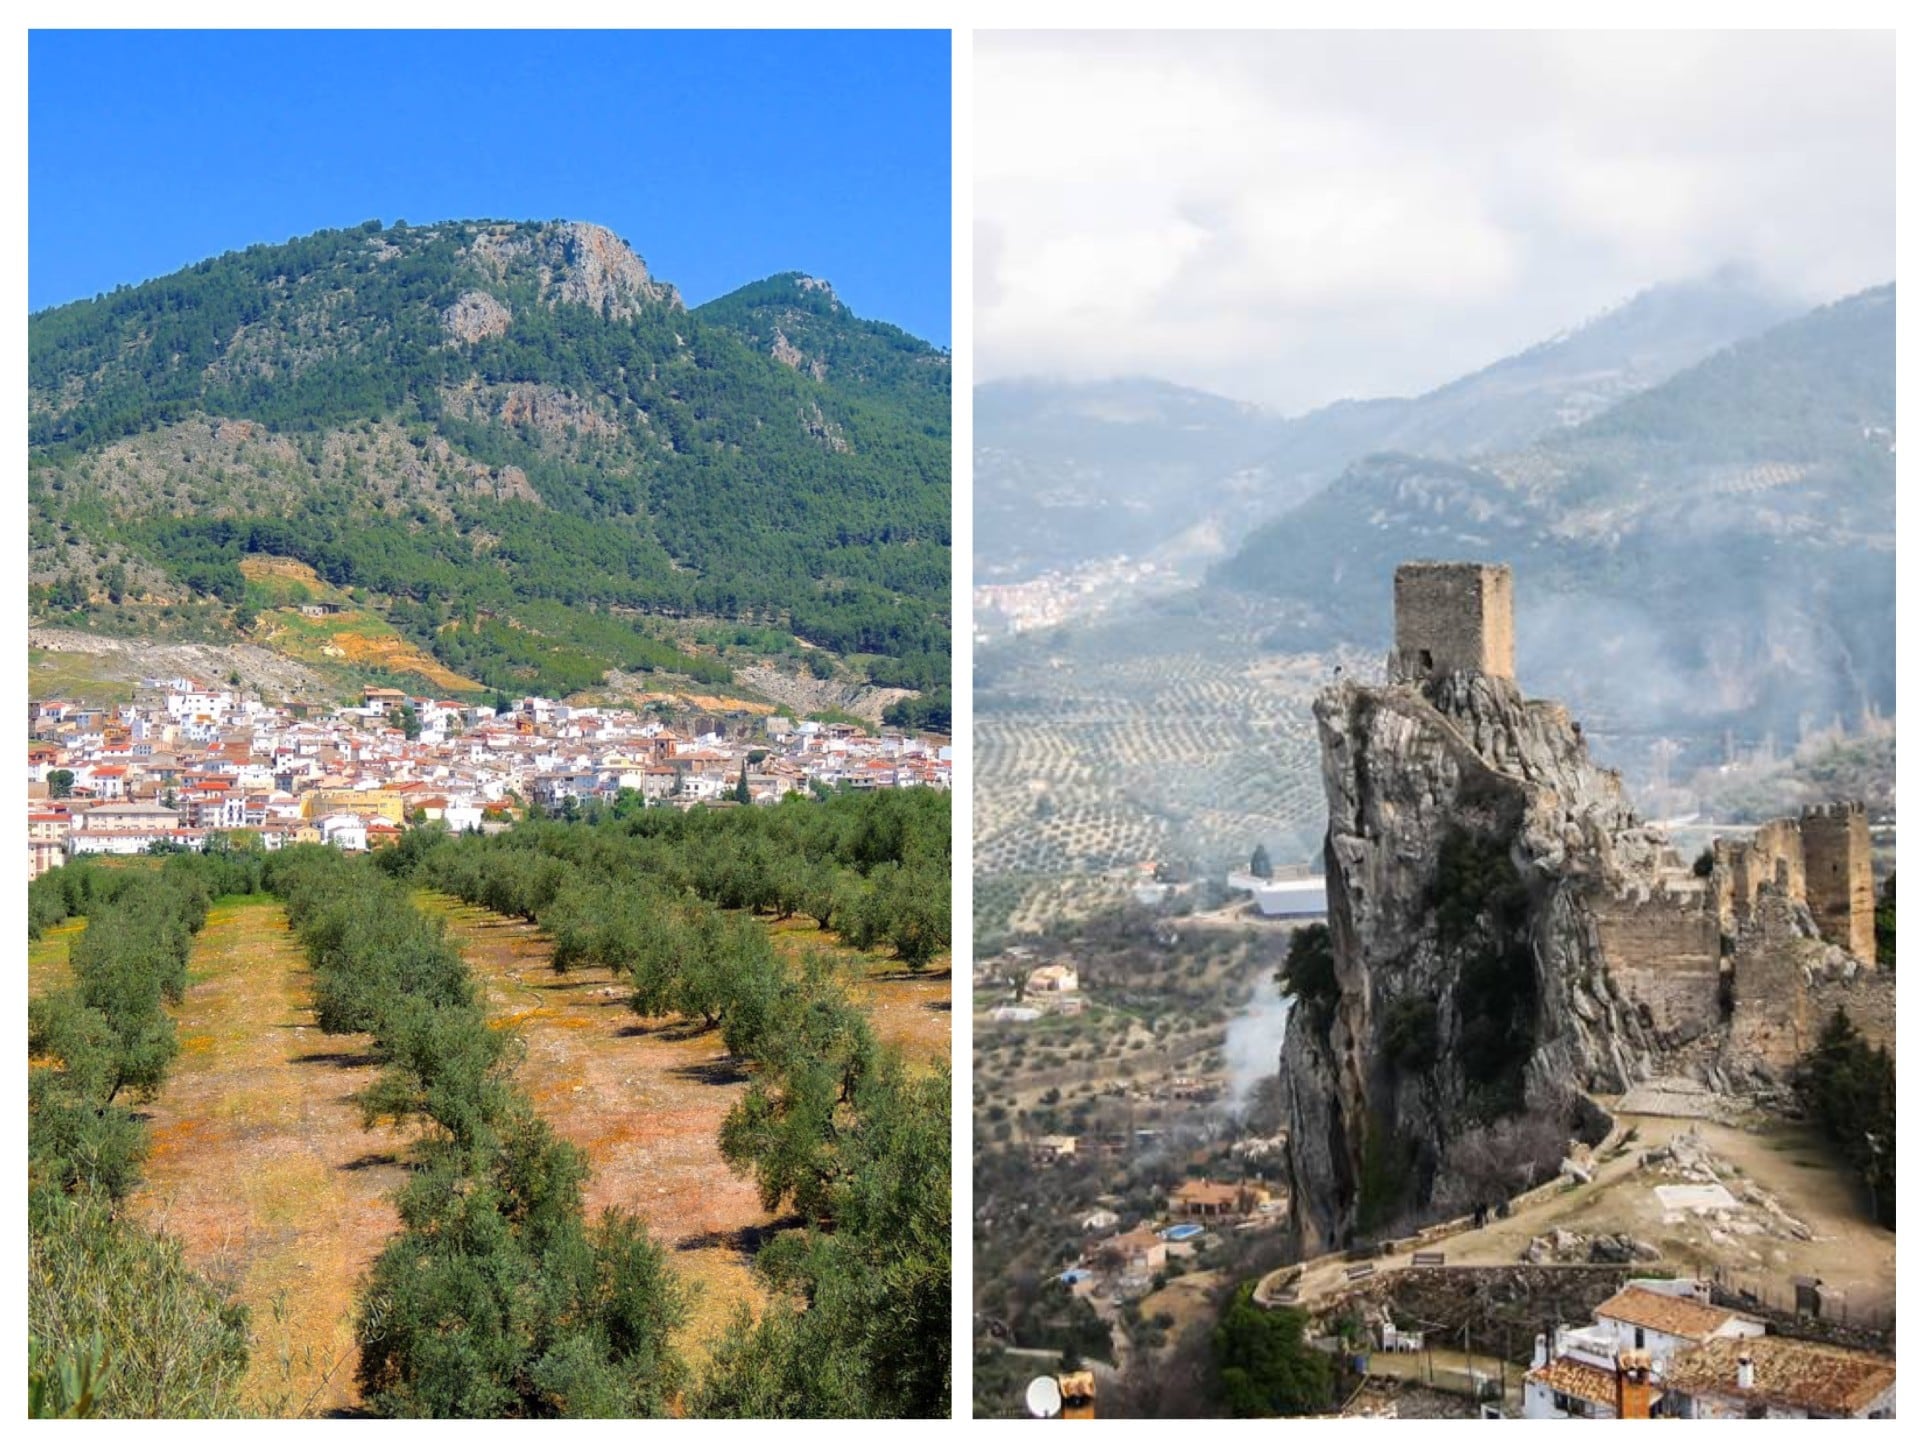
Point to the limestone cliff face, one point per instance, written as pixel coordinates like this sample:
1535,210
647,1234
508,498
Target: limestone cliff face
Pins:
1468,838
576,263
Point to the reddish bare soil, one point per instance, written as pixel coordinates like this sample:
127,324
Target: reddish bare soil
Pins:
259,1164
643,1098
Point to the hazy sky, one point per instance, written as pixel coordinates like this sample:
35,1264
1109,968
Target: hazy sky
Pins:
1294,218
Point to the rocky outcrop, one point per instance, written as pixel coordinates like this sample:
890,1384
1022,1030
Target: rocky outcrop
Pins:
794,358
476,316
1469,836
551,412
575,263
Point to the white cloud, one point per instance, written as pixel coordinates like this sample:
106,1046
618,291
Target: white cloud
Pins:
1294,217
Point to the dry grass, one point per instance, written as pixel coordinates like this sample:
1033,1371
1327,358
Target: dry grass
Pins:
76,675
259,1164
47,957
1848,1250
356,638
260,1167
644,1098
1190,1300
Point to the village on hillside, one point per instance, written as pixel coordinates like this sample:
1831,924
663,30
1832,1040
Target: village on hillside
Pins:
186,760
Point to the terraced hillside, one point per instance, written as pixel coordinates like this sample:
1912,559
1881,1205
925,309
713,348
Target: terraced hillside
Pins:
1176,734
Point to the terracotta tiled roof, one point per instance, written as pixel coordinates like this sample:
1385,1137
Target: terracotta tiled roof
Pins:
1675,1315
1206,1193
1584,1382
1802,1374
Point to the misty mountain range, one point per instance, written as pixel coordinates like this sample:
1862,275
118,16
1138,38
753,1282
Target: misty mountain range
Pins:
1695,491
1065,473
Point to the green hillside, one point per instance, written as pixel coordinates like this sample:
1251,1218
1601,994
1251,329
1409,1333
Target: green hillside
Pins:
508,437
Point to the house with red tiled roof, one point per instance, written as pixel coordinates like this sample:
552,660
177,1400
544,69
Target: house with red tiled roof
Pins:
1141,1250
108,783
1213,1198
1660,1318
1778,1378
1698,1360
1570,1386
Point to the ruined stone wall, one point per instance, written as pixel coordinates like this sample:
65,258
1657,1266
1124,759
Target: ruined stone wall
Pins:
1774,855
1773,1024
1664,952
1501,1308
1449,618
1839,868
1866,996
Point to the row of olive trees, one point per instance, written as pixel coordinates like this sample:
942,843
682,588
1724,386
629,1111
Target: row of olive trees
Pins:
832,1125
498,1297
874,867
118,1323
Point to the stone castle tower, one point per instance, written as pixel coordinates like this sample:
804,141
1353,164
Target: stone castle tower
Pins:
1839,866
1449,617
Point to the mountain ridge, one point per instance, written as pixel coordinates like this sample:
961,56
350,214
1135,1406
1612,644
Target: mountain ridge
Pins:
1276,461
473,420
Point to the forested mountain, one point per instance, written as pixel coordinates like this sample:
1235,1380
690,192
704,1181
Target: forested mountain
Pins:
510,438
1725,539
800,322
1069,473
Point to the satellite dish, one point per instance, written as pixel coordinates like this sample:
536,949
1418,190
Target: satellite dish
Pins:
1043,1397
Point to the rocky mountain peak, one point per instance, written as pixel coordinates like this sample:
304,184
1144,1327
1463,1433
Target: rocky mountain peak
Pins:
576,263
1467,832
1506,940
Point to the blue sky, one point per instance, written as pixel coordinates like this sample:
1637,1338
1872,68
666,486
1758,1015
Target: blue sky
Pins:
723,157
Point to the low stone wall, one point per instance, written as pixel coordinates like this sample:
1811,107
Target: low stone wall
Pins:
1860,1328
1503,1307
1274,1287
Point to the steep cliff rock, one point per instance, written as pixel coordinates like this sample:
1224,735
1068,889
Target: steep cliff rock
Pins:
576,263
1468,836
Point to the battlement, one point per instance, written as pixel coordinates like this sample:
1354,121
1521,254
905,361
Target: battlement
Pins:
1451,617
